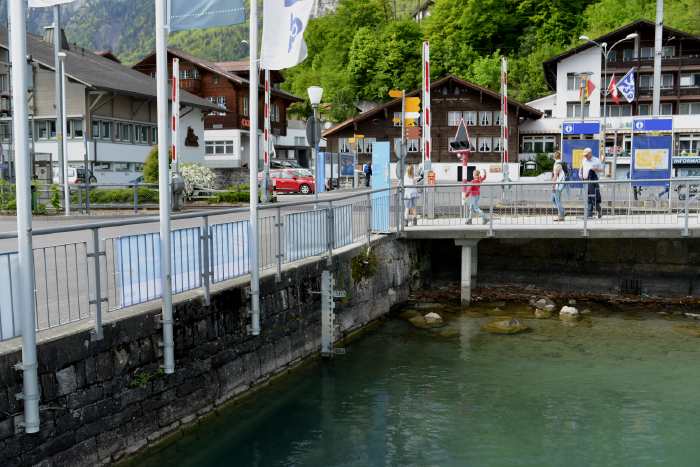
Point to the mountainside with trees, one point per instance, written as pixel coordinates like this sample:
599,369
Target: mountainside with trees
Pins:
364,48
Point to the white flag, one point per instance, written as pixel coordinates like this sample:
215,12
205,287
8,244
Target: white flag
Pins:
44,3
284,23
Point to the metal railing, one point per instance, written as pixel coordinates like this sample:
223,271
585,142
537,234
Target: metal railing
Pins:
83,271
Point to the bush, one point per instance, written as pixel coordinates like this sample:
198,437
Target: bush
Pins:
230,196
121,196
196,176
150,166
41,209
55,197
7,196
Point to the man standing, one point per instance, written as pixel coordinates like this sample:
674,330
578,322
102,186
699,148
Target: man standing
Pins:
590,168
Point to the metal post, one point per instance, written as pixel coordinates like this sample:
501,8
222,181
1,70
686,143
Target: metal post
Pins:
64,130
315,158
97,252
585,211
164,186
136,198
330,232
175,122
280,254
26,303
206,272
401,158
327,315
58,100
253,165
267,139
369,218
658,37
685,221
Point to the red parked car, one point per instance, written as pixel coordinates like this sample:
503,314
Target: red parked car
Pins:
292,180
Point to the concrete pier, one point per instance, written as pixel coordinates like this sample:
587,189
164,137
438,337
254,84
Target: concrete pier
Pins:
468,269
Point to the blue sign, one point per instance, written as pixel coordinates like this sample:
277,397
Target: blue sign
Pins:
580,128
381,178
653,124
320,172
651,159
572,155
347,165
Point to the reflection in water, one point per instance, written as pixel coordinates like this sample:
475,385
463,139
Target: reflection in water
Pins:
610,392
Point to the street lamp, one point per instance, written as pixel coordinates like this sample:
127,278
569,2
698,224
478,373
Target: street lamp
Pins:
605,50
315,95
61,71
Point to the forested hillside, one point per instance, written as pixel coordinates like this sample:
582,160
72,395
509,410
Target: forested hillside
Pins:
366,47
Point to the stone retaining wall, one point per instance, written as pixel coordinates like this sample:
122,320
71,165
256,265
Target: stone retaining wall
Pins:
103,400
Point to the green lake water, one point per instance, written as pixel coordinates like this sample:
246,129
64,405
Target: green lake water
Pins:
611,391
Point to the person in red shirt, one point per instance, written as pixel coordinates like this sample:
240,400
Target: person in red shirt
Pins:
471,193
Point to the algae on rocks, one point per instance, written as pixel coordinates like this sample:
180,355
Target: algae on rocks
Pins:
364,265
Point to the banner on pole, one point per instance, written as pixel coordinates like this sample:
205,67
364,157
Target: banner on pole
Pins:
651,158
199,14
45,3
320,172
284,23
347,165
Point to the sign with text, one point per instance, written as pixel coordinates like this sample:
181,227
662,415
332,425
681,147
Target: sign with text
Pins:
572,155
580,128
651,159
653,124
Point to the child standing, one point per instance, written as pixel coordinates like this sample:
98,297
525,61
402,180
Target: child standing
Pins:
470,196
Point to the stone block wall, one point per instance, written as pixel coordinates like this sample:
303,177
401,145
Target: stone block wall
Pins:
103,400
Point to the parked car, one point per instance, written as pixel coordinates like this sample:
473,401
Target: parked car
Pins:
75,175
284,164
291,180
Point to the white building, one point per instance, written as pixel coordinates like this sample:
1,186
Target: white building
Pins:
118,104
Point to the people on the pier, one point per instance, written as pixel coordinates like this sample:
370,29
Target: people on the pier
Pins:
590,168
471,193
558,176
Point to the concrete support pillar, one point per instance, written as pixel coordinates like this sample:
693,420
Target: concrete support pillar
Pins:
468,269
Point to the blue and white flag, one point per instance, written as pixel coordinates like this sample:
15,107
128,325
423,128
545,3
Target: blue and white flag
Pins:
284,23
626,86
200,14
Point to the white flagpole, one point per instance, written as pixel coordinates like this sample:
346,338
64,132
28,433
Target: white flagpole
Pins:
175,110
25,300
426,111
253,166
164,185
58,89
267,139
504,119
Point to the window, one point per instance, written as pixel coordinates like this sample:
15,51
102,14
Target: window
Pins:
102,166
343,145
621,110
537,144
667,81
299,141
573,81
496,144
573,110
218,100
138,167
548,113
120,166
689,80
275,113
643,109
95,128
4,83
497,118
75,128
141,134
453,118
666,109
646,53
646,81
485,118
365,145
123,132
244,106
218,147
627,55
668,51
215,79
689,145
154,137
484,144
46,129
189,73
689,108
105,130
413,145
5,131
612,56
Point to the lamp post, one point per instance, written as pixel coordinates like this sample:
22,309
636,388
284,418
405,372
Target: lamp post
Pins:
315,95
61,70
605,50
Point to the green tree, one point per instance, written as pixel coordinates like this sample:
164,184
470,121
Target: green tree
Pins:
150,166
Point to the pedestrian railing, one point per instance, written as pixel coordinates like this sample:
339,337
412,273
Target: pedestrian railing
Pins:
116,264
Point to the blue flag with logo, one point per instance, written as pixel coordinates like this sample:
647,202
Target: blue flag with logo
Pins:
626,86
199,14
284,23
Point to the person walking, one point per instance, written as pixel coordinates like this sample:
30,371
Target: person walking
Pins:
590,168
558,176
410,195
471,193
368,173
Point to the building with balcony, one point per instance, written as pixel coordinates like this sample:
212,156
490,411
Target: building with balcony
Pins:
680,92
110,110
452,99
227,130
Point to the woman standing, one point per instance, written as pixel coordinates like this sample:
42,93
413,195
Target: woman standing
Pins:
471,193
410,196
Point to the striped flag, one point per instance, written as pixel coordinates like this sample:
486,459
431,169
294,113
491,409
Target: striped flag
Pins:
586,88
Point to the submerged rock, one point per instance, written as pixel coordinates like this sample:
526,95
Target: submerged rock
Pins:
692,330
505,326
543,314
569,313
448,333
545,302
408,314
419,322
432,319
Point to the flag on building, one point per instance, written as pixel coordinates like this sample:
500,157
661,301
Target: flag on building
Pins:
586,88
45,3
612,90
626,86
199,14
284,23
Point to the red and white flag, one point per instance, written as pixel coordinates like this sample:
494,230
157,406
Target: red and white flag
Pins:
612,90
